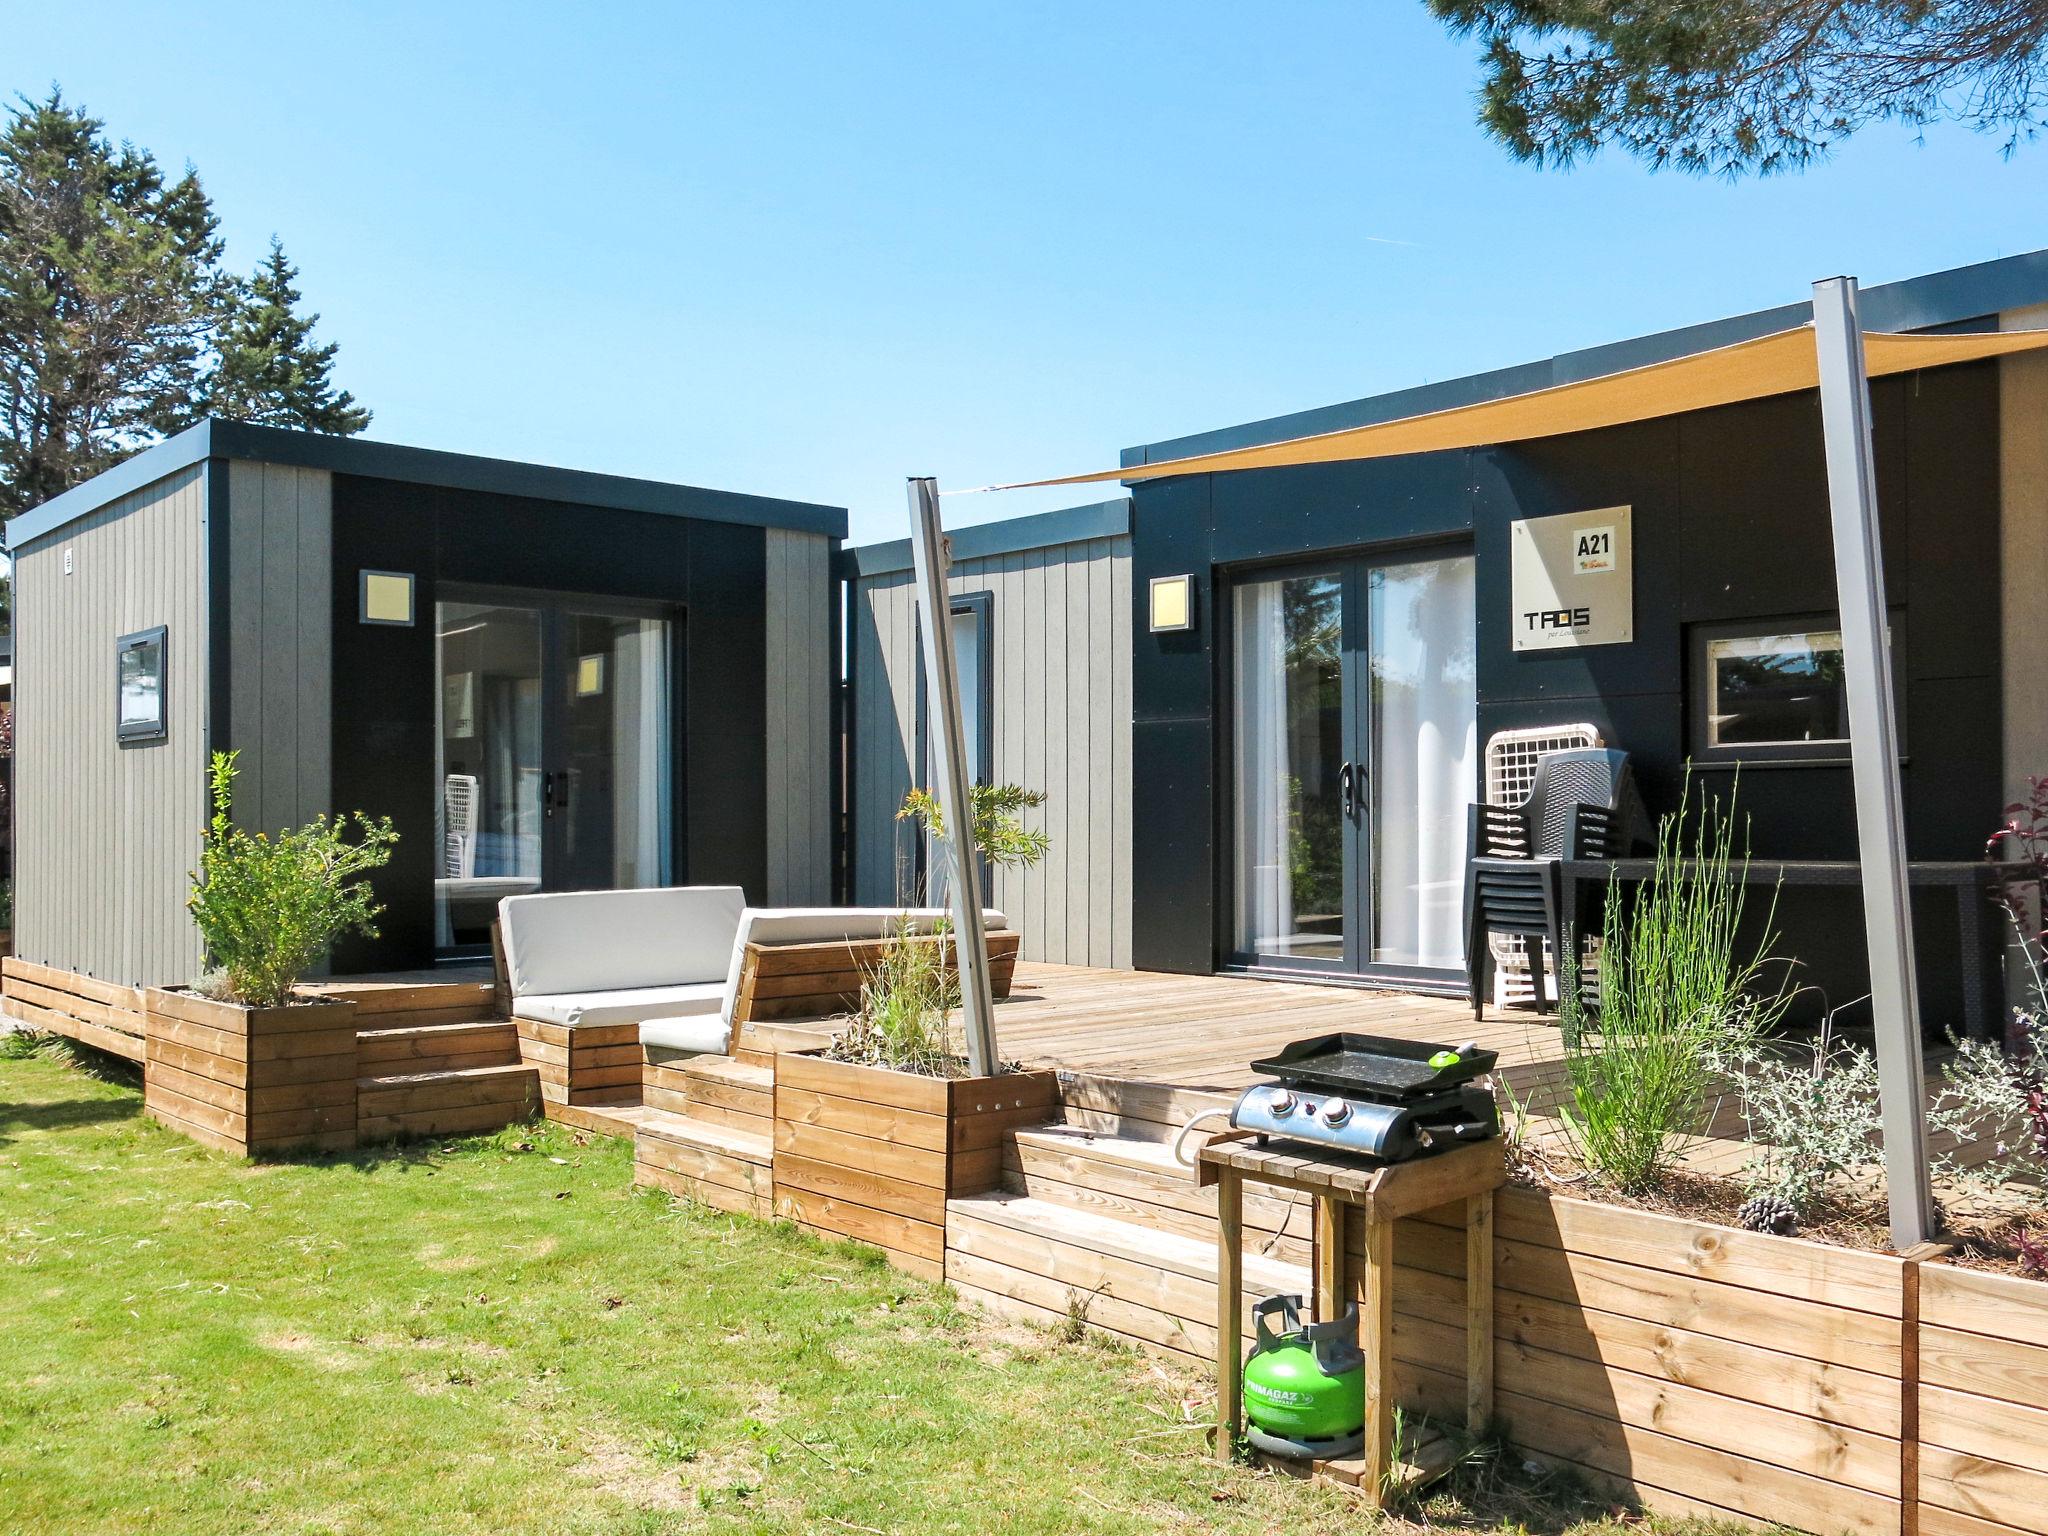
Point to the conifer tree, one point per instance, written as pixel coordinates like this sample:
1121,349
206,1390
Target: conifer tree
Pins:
1736,86
109,288
270,370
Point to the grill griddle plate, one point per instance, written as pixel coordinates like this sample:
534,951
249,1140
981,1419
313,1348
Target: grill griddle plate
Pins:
1373,1066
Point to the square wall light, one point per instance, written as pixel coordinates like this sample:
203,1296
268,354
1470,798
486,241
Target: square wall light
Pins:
387,597
1173,603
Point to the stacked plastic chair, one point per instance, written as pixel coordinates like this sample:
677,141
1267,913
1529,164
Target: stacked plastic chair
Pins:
1583,805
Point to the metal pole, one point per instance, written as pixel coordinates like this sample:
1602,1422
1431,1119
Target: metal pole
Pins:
1874,755
930,560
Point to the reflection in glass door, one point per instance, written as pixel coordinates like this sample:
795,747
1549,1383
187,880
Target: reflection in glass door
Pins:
554,765
490,773
1292,848
611,800
1356,753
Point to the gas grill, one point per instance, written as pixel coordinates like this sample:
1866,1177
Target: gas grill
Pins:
1388,1099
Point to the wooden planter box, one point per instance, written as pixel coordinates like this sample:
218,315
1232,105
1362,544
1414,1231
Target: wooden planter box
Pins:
867,1153
808,981
251,1080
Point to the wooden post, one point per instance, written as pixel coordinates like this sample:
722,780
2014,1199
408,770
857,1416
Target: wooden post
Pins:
1329,1256
1229,1311
1478,1311
1375,1334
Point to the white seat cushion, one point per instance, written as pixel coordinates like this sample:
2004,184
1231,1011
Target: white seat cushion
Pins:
591,941
621,1005
701,1034
814,925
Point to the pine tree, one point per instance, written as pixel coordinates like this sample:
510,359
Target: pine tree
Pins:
108,292
1733,86
270,372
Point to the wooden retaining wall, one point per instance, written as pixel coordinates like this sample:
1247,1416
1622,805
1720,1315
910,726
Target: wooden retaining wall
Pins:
94,1013
1983,1404
1694,1367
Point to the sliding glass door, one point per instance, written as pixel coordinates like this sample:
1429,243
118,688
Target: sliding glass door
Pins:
555,739
1355,754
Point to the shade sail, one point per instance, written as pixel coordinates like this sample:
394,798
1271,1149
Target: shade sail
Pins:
1778,364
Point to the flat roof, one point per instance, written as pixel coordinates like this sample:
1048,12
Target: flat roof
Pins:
1010,536
213,439
1963,298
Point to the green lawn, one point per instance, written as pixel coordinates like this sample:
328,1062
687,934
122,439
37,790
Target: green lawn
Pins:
500,1335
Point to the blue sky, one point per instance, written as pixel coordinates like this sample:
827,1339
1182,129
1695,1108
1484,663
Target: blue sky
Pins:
807,249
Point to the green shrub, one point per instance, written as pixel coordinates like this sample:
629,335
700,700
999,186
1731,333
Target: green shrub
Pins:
268,908
1676,999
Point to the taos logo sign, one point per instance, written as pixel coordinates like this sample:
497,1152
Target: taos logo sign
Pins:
1570,580
1542,619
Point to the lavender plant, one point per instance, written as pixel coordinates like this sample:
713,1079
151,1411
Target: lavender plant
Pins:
1678,992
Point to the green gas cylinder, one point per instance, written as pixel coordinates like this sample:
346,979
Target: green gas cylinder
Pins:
1304,1384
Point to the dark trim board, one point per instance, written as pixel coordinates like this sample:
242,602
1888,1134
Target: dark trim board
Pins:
219,623
220,440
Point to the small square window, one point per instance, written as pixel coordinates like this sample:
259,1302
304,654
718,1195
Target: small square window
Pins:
1771,691
139,678
1777,690
387,597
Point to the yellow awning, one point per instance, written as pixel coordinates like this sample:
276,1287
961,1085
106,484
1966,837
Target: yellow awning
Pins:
1777,364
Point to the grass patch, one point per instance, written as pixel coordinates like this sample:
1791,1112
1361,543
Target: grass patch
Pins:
498,1334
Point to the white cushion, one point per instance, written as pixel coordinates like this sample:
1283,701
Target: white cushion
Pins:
702,1034
621,1005
815,925
591,941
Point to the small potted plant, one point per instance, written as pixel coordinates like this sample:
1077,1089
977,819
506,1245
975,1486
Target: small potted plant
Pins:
238,1059
877,1131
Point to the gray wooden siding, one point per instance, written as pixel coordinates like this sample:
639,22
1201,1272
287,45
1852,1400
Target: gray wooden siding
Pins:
1061,656
105,835
280,642
799,678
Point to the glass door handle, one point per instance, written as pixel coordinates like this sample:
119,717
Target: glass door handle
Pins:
1347,778
547,796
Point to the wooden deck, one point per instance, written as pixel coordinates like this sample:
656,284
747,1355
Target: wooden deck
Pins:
1202,1032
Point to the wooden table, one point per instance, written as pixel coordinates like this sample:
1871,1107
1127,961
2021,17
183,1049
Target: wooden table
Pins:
1383,1193
1971,880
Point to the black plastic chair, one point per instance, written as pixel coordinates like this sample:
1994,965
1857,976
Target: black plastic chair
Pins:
1583,805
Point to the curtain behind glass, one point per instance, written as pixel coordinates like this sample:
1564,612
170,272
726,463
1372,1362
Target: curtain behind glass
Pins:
1264,907
1425,757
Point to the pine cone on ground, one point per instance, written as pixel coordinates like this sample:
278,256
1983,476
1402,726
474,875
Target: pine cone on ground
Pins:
1768,1213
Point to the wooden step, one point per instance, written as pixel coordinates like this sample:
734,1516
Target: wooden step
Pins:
701,1160
1037,1259
437,1047
1135,1179
722,1090
463,1101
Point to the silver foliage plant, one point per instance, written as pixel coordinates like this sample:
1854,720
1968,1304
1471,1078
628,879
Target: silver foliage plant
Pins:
2000,1094
1813,1116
